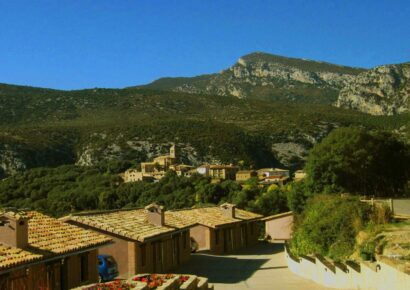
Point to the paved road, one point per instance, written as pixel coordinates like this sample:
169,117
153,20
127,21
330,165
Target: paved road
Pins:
261,268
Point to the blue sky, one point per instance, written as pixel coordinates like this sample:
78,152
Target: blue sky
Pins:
72,44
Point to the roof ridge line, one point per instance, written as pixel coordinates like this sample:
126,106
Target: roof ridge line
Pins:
104,211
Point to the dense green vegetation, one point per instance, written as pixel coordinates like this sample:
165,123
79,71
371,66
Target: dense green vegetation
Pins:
69,188
356,161
329,225
51,127
348,160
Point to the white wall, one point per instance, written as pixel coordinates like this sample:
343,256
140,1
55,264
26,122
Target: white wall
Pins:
385,277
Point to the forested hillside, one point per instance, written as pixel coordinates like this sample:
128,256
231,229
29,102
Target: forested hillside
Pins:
42,127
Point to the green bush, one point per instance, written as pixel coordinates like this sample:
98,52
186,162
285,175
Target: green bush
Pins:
328,226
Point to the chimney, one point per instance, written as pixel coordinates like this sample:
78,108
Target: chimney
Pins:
14,228
155,214
228,209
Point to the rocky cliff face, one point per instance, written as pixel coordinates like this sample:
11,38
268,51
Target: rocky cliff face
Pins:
384,90
261,75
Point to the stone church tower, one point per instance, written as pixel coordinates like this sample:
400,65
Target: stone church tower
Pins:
173,151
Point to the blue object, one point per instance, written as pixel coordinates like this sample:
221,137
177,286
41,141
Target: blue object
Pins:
107,267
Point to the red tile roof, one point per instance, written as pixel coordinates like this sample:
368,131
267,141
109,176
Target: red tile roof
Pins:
48,237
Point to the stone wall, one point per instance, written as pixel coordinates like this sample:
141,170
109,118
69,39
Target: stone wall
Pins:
374,276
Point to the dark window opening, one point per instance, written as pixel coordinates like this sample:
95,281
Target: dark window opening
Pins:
216,237
84,267
143,255
185,238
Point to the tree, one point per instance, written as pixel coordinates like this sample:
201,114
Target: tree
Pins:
359,162
297,196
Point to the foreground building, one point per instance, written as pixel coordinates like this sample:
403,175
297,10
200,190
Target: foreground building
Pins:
279,227
40,252
221,229
145,240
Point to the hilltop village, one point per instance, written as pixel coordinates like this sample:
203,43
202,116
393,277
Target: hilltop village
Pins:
155,170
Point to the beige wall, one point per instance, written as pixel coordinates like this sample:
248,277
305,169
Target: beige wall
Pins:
201,234
119,250
279,228
385,277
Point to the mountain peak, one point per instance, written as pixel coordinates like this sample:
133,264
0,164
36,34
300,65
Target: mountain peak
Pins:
300,63
262,75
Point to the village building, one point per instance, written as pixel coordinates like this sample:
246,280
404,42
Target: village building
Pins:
223,172
157,169
267,172
191,172
133,175
146,240
279,227
221,229
275,179
40,252
203,170
299,175
181,169
218,172
244,175
161,163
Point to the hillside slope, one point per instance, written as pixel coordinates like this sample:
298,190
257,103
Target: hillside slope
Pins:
42,127
265,76
384,90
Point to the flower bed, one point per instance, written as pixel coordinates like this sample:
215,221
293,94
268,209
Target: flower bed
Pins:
153,281
114,285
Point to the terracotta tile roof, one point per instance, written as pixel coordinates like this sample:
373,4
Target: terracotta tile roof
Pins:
132,224
246,172
223,167
53,235
11,256
212,216
276,216
49,237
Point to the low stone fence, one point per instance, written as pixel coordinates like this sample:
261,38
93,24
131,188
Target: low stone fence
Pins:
366,276
154,281
400,207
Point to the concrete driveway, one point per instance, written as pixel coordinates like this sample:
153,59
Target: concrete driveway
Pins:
262,267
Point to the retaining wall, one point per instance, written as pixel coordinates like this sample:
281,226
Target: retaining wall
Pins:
374,276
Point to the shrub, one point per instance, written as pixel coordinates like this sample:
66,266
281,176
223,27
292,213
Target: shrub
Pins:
328,226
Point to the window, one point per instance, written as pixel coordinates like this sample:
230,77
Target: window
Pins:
185,238
84,267
216,237
252,226
143,255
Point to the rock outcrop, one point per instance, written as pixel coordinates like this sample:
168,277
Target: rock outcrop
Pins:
266,76
384,90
